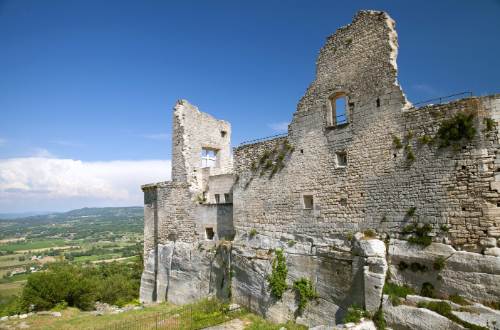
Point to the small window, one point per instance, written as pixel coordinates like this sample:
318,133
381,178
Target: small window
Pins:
227,198
223,134
209,233
340,159
217,198
208,157
308,202
338,109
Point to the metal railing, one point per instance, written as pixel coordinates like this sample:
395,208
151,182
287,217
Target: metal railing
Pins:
442,99
187,318
263,139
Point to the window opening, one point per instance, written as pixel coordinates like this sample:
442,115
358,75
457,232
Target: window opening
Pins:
209,233
308,202
217,198
341,159
208,157
223,133
338,108
227,198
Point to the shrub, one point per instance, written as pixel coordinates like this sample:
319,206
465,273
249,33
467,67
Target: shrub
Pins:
354,314
379,320
291,243
396,142
252,233
306,292
439,263
420,234
489,124
411,211
396,292
417,267
455,129
444,228
277,279
369,233
428,290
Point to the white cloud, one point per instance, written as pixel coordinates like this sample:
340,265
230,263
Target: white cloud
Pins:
158,136
44,183
281,127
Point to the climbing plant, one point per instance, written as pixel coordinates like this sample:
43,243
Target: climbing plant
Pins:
277,279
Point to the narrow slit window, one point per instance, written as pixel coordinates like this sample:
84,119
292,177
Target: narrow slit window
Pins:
227,198
308,202
208,157
209,233
217,198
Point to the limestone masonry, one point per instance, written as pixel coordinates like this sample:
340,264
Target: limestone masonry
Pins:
364,189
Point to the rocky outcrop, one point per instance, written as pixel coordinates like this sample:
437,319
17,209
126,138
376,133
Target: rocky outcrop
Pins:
186,272
451,272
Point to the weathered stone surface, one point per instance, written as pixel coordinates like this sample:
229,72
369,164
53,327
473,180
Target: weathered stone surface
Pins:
479,315
405,317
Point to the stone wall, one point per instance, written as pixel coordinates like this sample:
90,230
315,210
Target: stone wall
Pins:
379,185
194,130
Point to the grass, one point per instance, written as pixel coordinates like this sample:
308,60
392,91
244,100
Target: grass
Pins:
354,314
198,315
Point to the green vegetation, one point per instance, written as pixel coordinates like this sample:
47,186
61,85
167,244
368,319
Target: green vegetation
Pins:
459,300
396,292
396,141
85,236
420,234
306,292
456,129
439,263
291,243
410,156
252,233
370,233
411,211
277,279
80,286
428,290
444,309
355,314
379,319
489,124
258,323
425,139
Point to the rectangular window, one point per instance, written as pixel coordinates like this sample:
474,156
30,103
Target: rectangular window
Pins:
308,202
227,198
340,159
209,233
208,157
217,198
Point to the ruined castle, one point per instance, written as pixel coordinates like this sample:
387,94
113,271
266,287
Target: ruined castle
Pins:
362,184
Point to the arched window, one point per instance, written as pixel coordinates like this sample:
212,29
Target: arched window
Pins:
338,114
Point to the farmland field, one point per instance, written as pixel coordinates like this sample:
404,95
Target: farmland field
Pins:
89,235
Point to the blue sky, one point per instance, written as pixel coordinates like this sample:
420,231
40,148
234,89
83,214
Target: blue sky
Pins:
95,81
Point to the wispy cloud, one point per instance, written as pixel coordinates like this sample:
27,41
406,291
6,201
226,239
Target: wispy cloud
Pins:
157,136
280,127
42,153
31,183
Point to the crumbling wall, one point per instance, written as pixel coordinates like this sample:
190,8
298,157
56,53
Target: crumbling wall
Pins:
194,130
379,185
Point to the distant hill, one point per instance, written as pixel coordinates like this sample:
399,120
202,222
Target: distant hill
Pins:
109,213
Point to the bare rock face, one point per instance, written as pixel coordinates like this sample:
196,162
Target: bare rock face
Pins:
405,317
374,271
